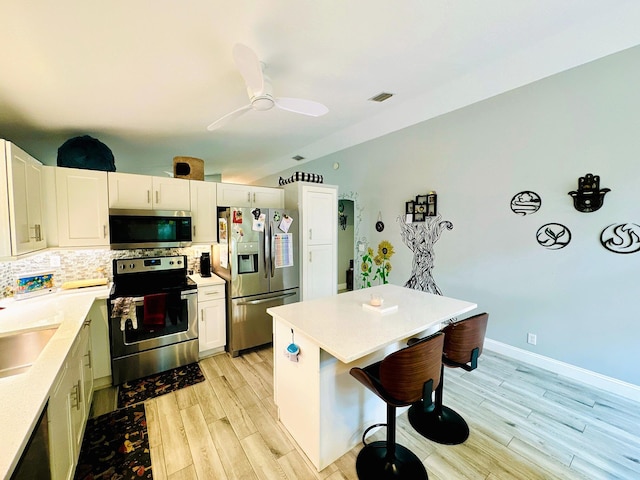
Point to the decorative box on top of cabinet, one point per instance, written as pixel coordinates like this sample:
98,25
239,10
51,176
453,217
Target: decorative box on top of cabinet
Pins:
235,195
21,217
132,191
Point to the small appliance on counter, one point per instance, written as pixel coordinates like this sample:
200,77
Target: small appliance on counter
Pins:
33,284
205,264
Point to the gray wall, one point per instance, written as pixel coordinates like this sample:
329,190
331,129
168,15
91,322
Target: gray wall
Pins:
580,301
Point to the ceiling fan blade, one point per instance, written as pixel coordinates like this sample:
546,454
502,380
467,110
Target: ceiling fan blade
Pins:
299,105
249,66
228,117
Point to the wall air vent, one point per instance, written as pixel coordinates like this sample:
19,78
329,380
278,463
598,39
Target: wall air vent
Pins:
297,158
381,97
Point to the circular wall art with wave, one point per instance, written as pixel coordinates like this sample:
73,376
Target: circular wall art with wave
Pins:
553,236
526,202
621,238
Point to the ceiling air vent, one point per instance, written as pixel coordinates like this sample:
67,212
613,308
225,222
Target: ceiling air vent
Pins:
381,97
297,158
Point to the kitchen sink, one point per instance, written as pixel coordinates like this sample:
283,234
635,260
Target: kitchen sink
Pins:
18,351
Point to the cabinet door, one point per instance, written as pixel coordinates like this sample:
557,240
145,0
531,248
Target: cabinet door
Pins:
60,436
25,201
83,207
212,329
320,215
86,351
267,197
171,194
232,195
319,276
203,211
127,190
100,352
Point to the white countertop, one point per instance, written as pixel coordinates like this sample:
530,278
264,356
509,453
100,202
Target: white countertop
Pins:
204,281
24,396
345,329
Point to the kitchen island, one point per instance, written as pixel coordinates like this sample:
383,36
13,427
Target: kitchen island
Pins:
24,396
319,403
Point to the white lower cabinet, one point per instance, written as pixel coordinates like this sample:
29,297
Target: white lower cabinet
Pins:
69,405
212,328
100,351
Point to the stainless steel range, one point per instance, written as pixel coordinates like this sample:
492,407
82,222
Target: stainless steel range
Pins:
153,317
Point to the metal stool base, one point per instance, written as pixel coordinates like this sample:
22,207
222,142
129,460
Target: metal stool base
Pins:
447,428
372,463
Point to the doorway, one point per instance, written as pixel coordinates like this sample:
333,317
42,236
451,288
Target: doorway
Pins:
346,234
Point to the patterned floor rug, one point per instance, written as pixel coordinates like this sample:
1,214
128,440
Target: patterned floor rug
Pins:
152,386
116,445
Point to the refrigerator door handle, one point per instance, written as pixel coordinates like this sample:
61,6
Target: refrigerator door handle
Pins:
265,300
265,239
272,249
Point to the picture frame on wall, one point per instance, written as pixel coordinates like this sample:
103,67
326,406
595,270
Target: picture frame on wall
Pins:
421,199
418,217
408,208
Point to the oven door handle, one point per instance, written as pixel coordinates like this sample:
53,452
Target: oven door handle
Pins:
140,300
265,300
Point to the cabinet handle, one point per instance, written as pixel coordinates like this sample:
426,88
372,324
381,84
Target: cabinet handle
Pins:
79,394
249,197
310,256
88,355
37,233
75,393
148,196
254,197
310,234
104,231
194,230
202,315
157,196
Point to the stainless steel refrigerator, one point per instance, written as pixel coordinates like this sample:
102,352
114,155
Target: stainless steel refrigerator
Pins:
258,257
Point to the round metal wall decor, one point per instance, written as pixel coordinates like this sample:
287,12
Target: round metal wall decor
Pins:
553,236
525,202
621,238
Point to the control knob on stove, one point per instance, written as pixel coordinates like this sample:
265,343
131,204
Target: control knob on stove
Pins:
132,265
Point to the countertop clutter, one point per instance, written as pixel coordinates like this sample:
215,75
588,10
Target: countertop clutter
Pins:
23,396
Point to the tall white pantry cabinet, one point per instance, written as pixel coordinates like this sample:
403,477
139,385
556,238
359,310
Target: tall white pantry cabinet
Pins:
317,207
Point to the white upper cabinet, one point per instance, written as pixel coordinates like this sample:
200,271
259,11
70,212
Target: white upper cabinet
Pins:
82,206
141,192
21,217
203,211
234,195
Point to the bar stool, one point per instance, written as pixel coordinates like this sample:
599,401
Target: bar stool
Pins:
463,342
400,379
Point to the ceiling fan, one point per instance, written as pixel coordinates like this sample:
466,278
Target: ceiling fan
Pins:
261,93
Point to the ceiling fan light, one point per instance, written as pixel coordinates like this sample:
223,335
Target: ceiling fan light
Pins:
262,103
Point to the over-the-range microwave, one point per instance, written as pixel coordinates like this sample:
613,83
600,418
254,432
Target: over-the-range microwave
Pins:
149,228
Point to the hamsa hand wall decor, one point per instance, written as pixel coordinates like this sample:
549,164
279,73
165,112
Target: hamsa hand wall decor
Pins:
589,197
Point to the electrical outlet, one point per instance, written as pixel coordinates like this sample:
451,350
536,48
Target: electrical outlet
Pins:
532,338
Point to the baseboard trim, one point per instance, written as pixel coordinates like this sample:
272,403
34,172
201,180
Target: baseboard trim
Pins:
613,385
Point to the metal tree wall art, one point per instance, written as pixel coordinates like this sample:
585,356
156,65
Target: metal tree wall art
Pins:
589,197
421,238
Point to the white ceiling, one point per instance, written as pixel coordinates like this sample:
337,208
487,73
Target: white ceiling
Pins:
146,77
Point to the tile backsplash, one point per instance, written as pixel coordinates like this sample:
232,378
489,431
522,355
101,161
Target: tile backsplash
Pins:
82,264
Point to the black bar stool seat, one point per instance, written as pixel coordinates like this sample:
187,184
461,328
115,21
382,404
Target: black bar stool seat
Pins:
400,379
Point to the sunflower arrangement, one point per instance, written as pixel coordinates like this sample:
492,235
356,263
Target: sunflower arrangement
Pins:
380,260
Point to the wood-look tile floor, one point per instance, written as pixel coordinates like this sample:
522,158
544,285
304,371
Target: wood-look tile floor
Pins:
526,423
